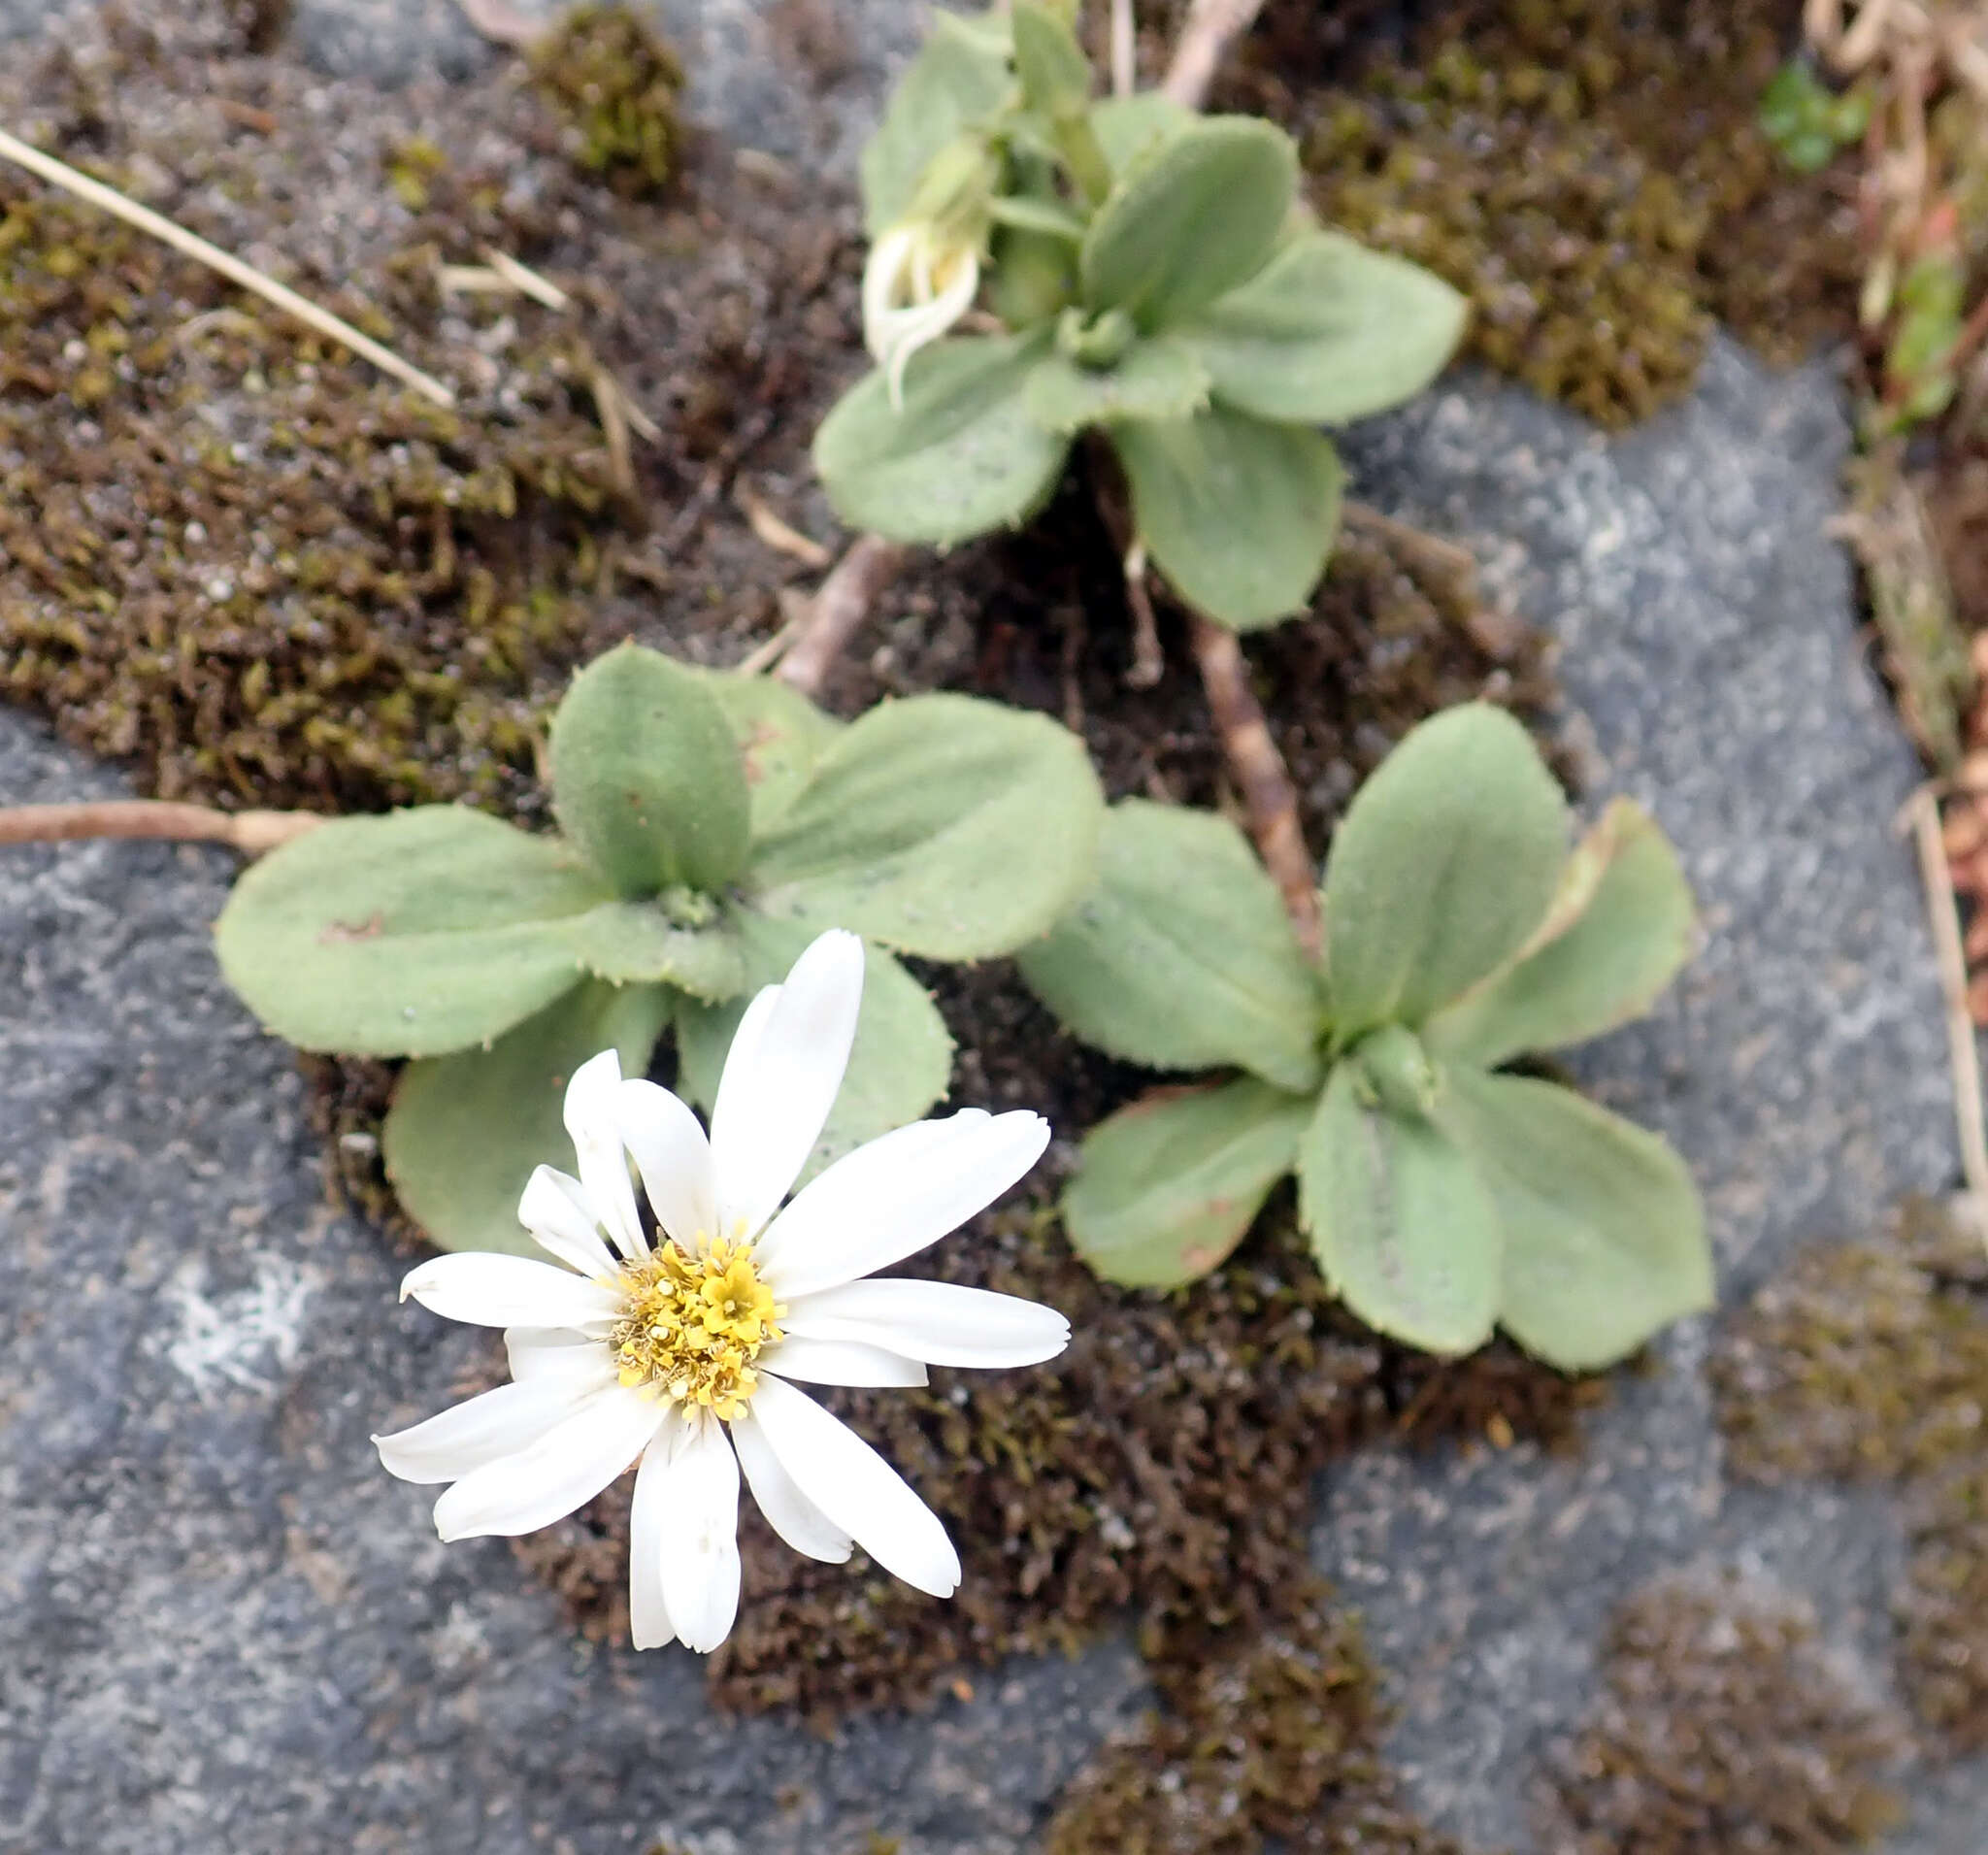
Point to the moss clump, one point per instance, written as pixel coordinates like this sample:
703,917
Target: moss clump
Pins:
1591,173
1269,1735
1871,1364
1724,1730
243,561
615,83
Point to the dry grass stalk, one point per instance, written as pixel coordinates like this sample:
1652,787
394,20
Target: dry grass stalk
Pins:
59,174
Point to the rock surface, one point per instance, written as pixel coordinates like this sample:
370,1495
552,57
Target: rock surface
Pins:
1710,654
222,1626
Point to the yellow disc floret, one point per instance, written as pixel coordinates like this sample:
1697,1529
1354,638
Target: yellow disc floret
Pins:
696,1319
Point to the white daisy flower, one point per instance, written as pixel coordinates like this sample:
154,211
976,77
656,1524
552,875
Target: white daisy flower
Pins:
687,1354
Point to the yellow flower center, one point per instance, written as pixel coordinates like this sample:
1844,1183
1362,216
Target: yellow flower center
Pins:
695,1322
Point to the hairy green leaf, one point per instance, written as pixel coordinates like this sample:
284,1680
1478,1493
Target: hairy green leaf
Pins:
1405,1229
1170,1185
1327,331
1195,215
1126,127
646,776
781,735
465,1131
638,943
1239,514
1442,865
959,79
961,457
1157,379
1620,926
1055,75
1181,955
900,1064
941,825
1605,1235
406,935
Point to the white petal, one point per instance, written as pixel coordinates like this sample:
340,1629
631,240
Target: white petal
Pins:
484,1428
648,1615
856,1489
491,1290
780,1079
788,1511
593,1125
890,1198
881,276
700,1534
839,1362
564,1470
888,1155
674,1158
548,1352
935,1321
904,332
556,1210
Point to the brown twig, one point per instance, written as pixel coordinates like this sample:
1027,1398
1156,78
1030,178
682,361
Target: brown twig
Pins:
250,832
839,607
1961,1054
1211,26
1269,798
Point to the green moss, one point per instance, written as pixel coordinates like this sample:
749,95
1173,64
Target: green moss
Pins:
616,84
1269,1735
1871,1364
1860,1363
1724,1727
1593,173
256,569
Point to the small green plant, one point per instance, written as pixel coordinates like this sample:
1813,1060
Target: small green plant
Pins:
1444,1194
710,826
1152,275
1806,122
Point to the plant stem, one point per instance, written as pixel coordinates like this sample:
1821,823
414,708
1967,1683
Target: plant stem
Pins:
1269,797
1951,958
1210,25
250,832
839,607
60,174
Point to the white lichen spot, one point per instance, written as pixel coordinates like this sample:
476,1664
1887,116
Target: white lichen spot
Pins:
247,1337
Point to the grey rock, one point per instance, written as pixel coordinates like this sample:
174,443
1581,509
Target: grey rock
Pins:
1709,652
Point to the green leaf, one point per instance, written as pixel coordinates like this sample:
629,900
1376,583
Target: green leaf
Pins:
1055,75
646,776
1238,515
1194,216
1605,1235
1327,331
1127,127
407,935
1181,955
465,1131
959,80
1170,1185
1405,1230
1158,379
900,1064
1444,865
1620,926
781,735
638,943
960,458
941,825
